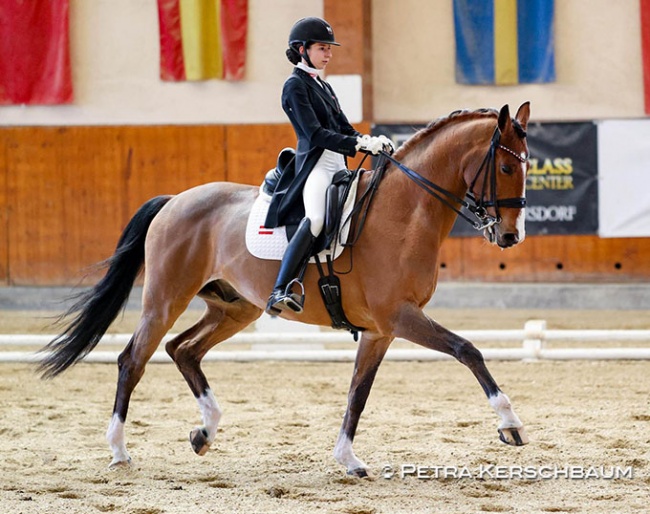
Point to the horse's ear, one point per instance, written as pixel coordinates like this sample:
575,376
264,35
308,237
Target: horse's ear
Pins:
504,118
523,113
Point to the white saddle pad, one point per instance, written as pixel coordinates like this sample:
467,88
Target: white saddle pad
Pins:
270,243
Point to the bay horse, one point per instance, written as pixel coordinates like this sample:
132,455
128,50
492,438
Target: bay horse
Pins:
192,244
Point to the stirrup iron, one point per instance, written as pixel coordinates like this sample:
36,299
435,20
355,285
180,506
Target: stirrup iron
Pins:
294,301
287,300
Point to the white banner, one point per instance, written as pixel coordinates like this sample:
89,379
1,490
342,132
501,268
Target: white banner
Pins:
624,178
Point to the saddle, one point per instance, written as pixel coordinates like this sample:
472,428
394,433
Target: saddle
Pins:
336,195
286,163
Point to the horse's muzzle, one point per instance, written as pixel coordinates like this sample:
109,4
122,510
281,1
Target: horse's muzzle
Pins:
502,240
507,240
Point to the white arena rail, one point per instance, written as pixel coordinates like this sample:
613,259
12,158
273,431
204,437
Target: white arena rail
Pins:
310,346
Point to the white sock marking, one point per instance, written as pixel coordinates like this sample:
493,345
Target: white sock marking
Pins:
344,454
501,404
210,413
115,438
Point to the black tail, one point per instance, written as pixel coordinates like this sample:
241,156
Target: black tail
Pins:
97,308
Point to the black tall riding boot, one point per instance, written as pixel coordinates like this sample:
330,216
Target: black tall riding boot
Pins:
297,252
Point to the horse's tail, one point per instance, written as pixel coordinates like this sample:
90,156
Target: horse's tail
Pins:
97,308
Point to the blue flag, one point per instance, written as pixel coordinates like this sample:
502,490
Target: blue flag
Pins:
504,41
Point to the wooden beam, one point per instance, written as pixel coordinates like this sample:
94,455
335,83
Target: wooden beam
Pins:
352,24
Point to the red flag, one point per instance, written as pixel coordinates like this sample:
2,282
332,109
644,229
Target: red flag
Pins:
645,49
171,47
234,22
34,52
202,39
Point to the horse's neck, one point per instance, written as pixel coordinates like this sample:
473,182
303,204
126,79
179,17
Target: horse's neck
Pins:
441,169
440,158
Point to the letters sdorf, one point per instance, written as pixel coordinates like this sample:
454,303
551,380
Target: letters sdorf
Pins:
554,213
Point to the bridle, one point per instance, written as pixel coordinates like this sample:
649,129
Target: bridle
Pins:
476,206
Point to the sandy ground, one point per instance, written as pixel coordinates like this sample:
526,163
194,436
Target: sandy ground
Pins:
273,451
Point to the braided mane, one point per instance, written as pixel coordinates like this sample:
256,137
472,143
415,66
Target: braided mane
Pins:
437,124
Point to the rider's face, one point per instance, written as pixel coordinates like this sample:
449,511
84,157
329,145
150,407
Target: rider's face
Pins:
320,54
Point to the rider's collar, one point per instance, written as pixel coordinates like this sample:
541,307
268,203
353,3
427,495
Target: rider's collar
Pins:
312,71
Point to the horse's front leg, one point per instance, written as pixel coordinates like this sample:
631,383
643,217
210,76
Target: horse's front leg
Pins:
415,326
370,353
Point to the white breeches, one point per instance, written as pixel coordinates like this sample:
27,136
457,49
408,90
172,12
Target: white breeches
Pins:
313,194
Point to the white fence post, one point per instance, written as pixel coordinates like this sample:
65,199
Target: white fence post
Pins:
534,338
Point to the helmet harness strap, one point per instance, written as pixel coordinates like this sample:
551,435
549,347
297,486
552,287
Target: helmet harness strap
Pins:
305,55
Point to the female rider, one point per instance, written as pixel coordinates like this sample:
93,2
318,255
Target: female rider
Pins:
325,139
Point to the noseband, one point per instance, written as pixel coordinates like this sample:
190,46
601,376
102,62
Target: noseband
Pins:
476,206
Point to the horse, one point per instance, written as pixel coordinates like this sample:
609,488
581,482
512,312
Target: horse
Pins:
192,244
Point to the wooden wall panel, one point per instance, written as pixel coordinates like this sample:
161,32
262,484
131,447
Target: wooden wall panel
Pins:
352,24
549,259
252,150
67,193
347,18
169,159
64,191
4,212
72,190
451,260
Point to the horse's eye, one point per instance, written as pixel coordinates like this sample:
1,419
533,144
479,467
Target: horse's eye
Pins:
506,169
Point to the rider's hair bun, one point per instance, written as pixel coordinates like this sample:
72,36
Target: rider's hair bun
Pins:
293,55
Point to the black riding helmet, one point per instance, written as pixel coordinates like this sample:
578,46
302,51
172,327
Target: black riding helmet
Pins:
310,30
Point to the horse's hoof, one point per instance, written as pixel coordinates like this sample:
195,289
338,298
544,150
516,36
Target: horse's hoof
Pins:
119,464
359,472
513,436
199,441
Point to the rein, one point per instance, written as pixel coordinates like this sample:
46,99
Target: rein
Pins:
362,205
478,207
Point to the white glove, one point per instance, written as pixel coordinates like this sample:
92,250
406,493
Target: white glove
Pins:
369,144
389,147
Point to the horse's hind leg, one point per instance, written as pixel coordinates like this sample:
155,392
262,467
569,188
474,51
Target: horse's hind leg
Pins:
152,327
414,325
220,321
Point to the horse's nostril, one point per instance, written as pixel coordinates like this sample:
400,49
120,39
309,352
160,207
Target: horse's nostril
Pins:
510,238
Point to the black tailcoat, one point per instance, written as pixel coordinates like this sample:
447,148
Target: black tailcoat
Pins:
320,124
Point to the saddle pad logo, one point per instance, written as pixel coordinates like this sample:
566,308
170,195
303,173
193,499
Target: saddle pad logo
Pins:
263,231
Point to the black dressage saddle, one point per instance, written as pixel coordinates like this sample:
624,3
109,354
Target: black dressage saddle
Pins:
336,196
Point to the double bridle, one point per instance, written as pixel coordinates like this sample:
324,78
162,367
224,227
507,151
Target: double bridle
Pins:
477,207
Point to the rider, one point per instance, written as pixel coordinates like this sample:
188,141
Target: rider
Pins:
325,139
